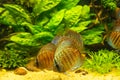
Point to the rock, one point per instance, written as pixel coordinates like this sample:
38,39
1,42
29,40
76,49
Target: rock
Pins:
20,71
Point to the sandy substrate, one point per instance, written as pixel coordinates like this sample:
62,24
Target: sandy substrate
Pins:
50,75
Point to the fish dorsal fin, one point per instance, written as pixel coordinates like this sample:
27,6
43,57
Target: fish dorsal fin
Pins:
117,25
56,40
117,13
73,34
76,37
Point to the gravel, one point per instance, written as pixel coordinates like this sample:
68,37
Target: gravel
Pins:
50,75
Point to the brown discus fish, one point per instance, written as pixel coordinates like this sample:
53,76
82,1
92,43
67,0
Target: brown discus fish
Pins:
114,38
67,56
45,56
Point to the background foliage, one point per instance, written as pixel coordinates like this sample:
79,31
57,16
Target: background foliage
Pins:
27,25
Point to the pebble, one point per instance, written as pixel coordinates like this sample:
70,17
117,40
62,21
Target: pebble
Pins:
20,71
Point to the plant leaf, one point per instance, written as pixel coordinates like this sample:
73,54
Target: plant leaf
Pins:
81,26
72,15
6,18
41,35
24,39
44,5
68,3
93,36
55,20
34,29
17,10
85,12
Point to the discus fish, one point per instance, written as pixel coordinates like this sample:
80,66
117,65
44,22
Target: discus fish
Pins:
45,56
67,55
114,36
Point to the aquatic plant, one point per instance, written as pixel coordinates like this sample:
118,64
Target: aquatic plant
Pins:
11,59
102,61
21,20
94,35
43,17
111,4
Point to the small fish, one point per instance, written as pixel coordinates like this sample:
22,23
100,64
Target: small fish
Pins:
45,56
67,56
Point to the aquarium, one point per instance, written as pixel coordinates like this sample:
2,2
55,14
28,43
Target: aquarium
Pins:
59,40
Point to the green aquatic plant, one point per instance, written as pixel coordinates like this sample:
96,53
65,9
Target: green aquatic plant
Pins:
21,20
94,35
102,61
11,58
46,5
118,65
111,4
78,18
55,20
26,39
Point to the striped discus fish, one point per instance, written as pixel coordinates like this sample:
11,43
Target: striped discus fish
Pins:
67,56
114,36
45,56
